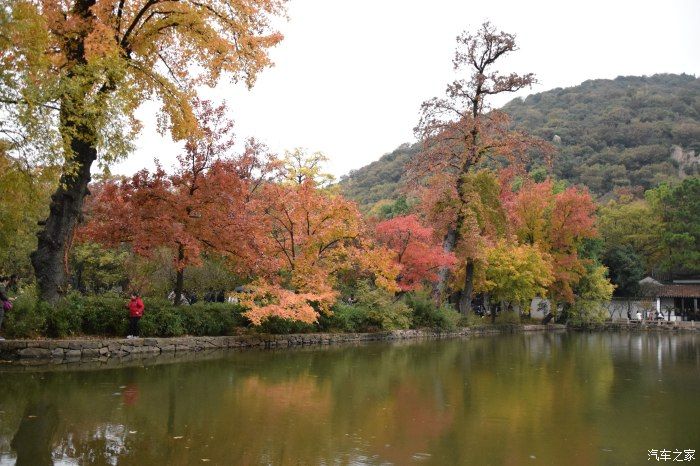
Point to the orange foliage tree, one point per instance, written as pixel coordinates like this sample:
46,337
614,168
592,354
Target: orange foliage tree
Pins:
459,132
313,236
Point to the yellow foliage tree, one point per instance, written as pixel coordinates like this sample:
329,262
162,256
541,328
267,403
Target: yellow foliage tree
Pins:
516,273
82,67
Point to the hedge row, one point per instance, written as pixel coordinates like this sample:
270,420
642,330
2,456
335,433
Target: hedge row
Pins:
107,315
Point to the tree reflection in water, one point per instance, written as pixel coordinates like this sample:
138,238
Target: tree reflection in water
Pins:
33,441
563,398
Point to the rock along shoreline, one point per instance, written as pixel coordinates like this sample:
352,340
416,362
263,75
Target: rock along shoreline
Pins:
111,349
102,349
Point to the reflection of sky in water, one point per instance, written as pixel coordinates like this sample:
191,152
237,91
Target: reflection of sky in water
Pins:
560,398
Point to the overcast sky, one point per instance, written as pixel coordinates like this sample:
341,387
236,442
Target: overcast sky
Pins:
350,75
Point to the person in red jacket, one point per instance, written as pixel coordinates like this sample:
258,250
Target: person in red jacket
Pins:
135,313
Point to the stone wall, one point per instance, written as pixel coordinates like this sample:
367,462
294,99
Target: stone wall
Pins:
643,326
105,349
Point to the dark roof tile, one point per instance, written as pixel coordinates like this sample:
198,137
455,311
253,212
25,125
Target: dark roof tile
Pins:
678,291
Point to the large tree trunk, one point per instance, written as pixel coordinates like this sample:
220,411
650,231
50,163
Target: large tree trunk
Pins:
448,245
465,298
51,256
180,276
54,239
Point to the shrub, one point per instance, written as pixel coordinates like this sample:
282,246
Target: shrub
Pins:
375,309
107,315
472,320
212,318
65,318
427,314
348,318
161,319
26,319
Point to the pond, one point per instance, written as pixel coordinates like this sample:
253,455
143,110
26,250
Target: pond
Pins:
565,398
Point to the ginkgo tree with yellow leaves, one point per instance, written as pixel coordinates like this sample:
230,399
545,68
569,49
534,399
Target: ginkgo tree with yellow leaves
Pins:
515,273
82,67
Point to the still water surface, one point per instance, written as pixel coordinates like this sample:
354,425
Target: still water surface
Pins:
560,399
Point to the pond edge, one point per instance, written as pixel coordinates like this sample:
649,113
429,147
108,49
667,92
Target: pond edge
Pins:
104,349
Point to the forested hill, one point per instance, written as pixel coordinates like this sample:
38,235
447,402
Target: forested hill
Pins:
629,131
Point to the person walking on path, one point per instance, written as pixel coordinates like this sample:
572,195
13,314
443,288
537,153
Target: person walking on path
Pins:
135,313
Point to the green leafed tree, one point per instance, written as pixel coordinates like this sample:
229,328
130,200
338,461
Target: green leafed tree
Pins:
626,268
24,196
678,207
631,222
592,291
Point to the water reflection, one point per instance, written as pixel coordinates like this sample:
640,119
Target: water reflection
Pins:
553,399
33,441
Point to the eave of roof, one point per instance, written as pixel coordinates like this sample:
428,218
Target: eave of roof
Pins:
678,291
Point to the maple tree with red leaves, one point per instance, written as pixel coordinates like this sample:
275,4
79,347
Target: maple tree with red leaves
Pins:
209,203
417,252
459,132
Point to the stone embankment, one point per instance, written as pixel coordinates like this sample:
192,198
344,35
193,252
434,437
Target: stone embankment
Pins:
104,349
637,326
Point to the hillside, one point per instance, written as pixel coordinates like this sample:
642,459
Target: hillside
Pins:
629,131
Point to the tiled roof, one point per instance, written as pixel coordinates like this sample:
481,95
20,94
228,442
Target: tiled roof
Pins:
679,291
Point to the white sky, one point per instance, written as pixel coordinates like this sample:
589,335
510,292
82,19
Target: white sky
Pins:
350,75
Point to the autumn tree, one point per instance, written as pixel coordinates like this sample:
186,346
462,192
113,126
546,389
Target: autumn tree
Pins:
483,222
556,222
459,132
208,204
81,67
313,236
317,233
516,273
298,166
416,251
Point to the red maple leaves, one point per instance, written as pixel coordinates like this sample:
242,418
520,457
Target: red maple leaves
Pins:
417,252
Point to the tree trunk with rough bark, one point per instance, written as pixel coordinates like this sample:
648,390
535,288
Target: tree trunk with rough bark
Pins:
465,298
180,277
50,260
448,245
